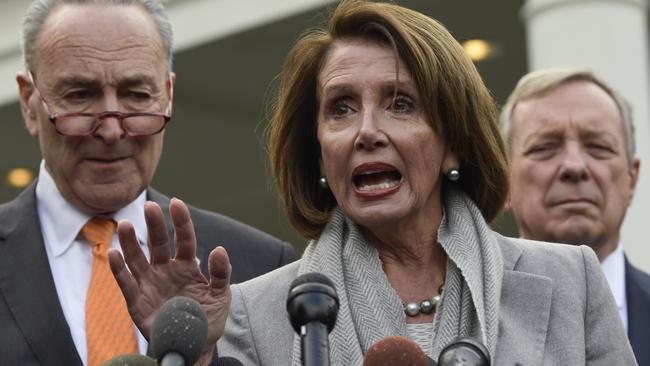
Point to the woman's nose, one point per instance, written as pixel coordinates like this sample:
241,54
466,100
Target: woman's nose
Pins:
370,135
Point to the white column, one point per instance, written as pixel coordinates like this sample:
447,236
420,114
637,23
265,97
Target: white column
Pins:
611,37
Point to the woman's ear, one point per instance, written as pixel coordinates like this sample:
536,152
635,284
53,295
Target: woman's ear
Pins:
450,162
28,111
508,206
322,180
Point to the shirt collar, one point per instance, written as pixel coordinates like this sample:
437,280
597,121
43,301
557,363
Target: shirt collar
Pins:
614,268
62,221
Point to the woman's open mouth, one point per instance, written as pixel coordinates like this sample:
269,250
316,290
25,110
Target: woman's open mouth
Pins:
376,179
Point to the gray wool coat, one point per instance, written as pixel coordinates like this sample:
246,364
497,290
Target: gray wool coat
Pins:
556,309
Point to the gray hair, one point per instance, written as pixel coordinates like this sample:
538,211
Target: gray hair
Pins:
538,82
39,10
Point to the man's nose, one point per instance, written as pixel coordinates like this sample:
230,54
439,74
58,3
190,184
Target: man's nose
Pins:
370,135
110,127
574,165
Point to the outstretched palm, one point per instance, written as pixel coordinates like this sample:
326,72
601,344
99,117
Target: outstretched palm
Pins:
149,284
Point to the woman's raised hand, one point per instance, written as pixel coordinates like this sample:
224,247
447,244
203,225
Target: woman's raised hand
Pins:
146,285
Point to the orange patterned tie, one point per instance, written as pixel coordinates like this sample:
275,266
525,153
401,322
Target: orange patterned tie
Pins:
109,329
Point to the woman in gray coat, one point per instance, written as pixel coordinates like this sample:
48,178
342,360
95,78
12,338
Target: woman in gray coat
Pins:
386,152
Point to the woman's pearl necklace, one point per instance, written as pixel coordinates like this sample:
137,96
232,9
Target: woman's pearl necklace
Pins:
425,306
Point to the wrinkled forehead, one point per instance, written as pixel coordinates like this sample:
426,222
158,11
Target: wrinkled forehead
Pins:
580,107
90,36
346,55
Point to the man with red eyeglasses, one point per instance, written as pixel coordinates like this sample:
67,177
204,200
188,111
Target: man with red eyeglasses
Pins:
97,95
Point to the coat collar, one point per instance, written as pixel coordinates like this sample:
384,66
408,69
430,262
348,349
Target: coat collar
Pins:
26,283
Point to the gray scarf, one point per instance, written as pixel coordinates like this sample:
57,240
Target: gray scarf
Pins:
370,309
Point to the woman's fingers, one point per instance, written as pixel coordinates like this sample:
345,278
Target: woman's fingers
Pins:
133,255
184,237
219,268
157,229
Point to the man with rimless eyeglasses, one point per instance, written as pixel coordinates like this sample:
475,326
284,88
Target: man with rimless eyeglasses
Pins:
97,95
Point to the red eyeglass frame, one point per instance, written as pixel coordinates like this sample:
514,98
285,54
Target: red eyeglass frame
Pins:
53,117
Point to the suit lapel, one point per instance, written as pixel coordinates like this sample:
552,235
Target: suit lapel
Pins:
27,285
637,287
525,310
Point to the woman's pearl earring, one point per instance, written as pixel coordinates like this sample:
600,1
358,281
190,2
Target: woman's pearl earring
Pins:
453,174
322,182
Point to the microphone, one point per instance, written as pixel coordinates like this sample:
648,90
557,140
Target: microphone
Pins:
464,352
179,332
228,361
313,304
396,350
131,360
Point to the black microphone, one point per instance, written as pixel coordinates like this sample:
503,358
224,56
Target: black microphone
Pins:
396,350
313,305
131,360
228,361
464,352
179,332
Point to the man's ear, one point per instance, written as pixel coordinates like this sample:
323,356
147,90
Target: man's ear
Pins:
170,89
634,170
27,109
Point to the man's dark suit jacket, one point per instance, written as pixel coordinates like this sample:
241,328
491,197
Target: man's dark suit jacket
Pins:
33,329
637,287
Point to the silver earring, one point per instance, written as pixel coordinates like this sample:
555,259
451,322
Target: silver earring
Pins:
322,182
453,174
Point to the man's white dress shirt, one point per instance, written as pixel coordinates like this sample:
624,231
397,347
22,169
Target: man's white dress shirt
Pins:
70,256
614,268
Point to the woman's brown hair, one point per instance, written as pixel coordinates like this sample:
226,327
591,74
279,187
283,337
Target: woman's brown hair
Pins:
461,109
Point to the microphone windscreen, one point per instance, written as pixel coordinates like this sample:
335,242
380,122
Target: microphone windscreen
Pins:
311,277
228,361
465,352
179,327
131,360
395,350
312,298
